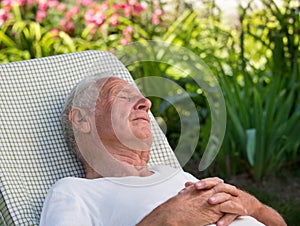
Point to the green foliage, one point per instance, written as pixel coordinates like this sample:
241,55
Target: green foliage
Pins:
264,121
264,109
258,69
38,29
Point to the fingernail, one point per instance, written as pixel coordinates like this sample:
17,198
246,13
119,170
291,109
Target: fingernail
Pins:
212,199
199,184
220,223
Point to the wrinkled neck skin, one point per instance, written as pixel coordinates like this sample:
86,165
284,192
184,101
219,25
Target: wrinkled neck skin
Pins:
119,161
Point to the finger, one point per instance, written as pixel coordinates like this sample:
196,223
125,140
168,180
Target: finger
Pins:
233,207
226,219
189,183
207,183
187,186
227,188
219,198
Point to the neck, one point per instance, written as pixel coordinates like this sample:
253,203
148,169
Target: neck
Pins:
139,157
124,170
120,161
112,159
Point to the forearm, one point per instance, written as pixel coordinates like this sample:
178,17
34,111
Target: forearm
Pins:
268,216
160,216
187,208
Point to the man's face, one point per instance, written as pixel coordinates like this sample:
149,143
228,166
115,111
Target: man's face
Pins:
122,115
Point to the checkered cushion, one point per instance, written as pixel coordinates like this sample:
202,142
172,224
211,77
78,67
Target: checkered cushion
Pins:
33,152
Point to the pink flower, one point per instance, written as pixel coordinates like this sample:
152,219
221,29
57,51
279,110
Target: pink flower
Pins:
75,10
118,6
95,16
43,5
67,26
5,2
70,27
22,2
137,9
127,35
88,16
158,12
40,16
3,16
125,8
10,3
123,41
127,11
99,18
93,31
128,29
103,7
68,15
53,3
63,23
132,2
156,16
3,13
155,19
61,7
114,19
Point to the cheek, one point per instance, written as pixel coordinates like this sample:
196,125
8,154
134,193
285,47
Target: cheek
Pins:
119,120
120,113
102,118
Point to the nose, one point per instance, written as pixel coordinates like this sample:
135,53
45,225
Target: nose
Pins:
143,104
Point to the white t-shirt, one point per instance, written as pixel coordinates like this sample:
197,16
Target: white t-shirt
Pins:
113,201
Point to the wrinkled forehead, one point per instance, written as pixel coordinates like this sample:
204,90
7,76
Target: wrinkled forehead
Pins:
113,86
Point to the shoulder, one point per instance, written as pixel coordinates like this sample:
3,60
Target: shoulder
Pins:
69,186
67,203
67,182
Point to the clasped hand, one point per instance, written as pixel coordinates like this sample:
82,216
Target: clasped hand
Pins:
212,201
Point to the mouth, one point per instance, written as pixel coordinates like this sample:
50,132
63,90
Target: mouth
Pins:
142,118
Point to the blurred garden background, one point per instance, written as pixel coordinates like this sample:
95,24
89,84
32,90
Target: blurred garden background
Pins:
251,46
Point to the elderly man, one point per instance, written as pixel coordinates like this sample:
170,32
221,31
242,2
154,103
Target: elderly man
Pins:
107,124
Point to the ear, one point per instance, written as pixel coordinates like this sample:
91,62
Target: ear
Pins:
80,120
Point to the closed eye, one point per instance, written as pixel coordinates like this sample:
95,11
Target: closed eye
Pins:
125,98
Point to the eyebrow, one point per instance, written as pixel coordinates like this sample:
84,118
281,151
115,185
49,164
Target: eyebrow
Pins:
129,89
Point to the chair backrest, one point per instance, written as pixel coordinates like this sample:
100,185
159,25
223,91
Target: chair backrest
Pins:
33,152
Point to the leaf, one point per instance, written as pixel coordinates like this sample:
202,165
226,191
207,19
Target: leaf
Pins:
171,33
6,40
68,41
251,143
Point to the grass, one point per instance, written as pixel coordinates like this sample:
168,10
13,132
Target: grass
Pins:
289,209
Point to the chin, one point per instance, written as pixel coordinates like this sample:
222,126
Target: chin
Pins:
143,133
143,144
